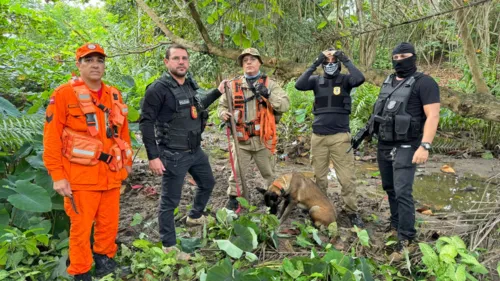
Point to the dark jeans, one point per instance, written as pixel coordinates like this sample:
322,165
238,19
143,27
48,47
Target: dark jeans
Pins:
397,174
177,164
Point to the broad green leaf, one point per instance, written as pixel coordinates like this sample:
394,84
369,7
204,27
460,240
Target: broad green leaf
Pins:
251,257
43,179
316,237
239,39
243,202
3,255
450,271
479,269
222,272
30,197
36,161
349,276
230,249
23,151
141,244
244,237
5,190
133,115
42,226
458,242
189,245
136,219
227,30
322,25
363,236
303,242
429,257
448,254
14,259
365,270
3,274
290,269
254,34
460,274
498,268
4,216
7,109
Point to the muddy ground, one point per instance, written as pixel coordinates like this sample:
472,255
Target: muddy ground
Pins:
373,205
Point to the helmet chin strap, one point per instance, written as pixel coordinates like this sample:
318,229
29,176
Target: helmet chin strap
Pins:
331,68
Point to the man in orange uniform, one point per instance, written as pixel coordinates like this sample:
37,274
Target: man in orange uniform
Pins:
87,153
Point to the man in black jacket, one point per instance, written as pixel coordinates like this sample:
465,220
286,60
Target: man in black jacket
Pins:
177,111
331,136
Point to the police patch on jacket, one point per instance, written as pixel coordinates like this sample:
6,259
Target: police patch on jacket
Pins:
336,91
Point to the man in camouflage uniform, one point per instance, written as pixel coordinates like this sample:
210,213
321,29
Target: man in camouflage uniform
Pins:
252,92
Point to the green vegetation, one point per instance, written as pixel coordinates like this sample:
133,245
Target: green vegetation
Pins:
37,44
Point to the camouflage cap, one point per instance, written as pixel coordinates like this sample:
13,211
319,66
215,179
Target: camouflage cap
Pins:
249,51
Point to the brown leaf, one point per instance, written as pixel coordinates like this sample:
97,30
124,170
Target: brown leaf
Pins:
427,212
423,209
447,169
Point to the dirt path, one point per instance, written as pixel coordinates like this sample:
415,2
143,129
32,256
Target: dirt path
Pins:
372,202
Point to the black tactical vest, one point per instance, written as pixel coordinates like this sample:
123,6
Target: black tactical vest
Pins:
331,97
391,120
181,132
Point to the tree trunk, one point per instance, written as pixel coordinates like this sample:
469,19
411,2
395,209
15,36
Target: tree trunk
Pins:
486,41
470,51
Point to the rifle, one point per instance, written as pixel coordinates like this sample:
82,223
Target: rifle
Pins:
361,135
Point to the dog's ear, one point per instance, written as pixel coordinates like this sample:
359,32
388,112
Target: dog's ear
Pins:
261,190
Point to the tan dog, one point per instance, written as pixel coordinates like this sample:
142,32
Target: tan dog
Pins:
299,190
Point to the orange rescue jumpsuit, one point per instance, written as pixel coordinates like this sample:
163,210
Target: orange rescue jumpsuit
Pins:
95,188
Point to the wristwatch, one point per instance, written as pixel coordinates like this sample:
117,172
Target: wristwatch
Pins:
426,145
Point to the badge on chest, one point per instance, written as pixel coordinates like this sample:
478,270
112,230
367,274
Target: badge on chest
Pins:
194,112
336,91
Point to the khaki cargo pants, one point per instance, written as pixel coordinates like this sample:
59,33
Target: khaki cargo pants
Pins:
333,147
264,160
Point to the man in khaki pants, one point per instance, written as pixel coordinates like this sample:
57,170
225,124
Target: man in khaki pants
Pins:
256,99
331,137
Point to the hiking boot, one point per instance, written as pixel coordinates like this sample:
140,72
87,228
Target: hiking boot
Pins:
83,277
195,222
232,203
356,220
398,254
180,255
104,265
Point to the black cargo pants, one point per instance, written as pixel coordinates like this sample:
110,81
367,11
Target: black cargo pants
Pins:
398,173
177,164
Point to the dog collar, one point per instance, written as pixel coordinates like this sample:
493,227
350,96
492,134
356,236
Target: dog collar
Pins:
280,187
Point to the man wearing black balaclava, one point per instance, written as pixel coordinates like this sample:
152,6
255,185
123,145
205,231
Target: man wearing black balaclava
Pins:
331,135
406,117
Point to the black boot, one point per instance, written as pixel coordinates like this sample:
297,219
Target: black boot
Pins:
232,203
104,265
83,277
356,220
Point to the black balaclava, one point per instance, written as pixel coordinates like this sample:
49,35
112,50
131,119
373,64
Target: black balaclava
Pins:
408,66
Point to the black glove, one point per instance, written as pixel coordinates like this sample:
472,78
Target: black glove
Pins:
319,60
341,56
261,90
